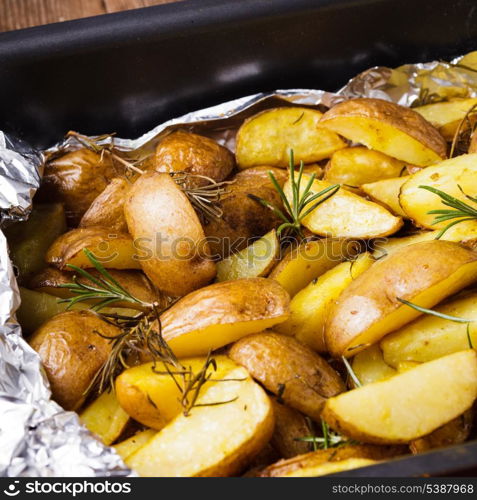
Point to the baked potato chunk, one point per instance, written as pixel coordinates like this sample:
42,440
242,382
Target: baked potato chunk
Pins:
370,307
159,215
289,369
369,366
187,447
394,130
134,443
267,137
113,250
455,177
409,405
222,313
107,209
386,192
310,307
345,214
73,347
182,151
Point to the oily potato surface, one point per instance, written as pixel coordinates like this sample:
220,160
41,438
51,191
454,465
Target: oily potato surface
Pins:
386,192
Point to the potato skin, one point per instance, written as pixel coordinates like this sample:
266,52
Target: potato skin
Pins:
178,262
195,154
244,218
287,368
72,352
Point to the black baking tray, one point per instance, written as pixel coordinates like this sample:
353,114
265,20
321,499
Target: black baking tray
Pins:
126,72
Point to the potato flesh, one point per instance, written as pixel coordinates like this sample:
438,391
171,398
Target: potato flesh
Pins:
309,260
447,176
409,405
346,215
387,192
330,468
213,440
134,443
251,262
369,366
266,138
309,308
430,337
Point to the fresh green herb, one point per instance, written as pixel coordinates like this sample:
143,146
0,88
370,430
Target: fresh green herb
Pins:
459,210
299,207
351,373
328,439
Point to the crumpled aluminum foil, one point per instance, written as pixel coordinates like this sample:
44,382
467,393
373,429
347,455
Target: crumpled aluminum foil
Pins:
37,437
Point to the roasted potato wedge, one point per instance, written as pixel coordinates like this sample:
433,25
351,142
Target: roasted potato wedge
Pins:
430,337
159,215
310,259
105,418
113,250
254,261
409,405
369,308
73,346
150,395
309,308
193,154
386,192
267,138
187,447
289,369
455,177
345,214
134,443
369,366
389,128
222,313
107,209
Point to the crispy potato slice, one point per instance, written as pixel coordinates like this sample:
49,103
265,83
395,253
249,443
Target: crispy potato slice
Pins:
149,394
105,418
73,346
446,176
446,116
345,214
473,143
355,166
188,448
310,259
389,128
194,154
129,446
309,308
430,337
222,313
107,209
386,192
158,214
409,405
369,366
267,137
289,369
254,261
113,250
424,274
322,462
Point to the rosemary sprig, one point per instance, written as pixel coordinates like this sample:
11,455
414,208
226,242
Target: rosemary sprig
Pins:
329,439
459,210
351,373
299,207
463,133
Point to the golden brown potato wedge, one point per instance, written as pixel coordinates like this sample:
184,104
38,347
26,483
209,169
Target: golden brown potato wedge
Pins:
386,192
194,154
162,220
289,369
131,445
430,337
369,366
473,143
455,177
187,447
73,347
389,128
423,273
222,313
310,259
254,261
244,219
114,250
267,138
409,405
107,209
310,307
345,214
